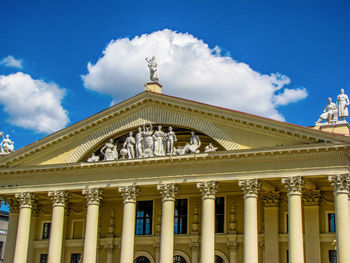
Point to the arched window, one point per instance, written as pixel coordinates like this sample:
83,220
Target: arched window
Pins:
179,259
142,259
219,259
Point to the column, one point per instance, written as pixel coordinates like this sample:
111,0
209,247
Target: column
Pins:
93,197
25,213
194,252
311,200
208,190
129,194
33,231
340,184
232,248
11,229
58,199
295,221
168,192
250,189
271,202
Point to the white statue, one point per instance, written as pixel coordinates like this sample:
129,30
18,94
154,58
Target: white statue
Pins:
153,69
195,143
330,113
93,158
147,140
210,148
6,144
159,142
109,150
138,143
171,138
342,103
129,144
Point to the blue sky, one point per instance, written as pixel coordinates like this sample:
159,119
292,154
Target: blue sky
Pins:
307,42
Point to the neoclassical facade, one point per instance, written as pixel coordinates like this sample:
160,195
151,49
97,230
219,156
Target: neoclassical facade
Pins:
251,189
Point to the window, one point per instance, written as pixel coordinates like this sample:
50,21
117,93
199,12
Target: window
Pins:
43,258
144,211
218,259
46,230
219,215
1,248
331,222
75,258
286,223
180,217
142,259
179,259
332,256
287,254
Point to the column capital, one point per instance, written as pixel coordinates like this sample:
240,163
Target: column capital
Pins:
58,197
294,185
208,189
340,183
232,246
194,246
129,193
271,198
250,187
25,199
93,196
13,204
311,197
167,191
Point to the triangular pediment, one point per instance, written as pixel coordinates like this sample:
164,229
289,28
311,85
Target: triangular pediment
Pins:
229,130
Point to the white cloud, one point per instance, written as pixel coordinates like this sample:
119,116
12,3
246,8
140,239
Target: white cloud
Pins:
188,69
10,61
32,104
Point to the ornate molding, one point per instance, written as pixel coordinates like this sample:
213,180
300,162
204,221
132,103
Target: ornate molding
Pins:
129,193
167,191
271,198
250,187
294,185
340,183
93,196
13,204
25,199
208,189
233,223
311,197
58,198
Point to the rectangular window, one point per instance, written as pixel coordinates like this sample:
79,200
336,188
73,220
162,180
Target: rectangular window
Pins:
332,256
219,215
43,258
331,222
180,216
144,212
46,230
287,253
75,258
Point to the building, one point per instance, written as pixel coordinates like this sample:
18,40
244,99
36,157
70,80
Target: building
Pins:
252,190
4,218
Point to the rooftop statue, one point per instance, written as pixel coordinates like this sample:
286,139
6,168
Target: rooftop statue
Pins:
343,103
153,69
330,113
6,146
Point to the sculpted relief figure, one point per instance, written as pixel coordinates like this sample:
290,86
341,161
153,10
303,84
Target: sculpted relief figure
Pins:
171,138
330,113
343,103
195,143
153,69
130,144
109,150
210,148
159,142
7,144
147,140
138,142
93,158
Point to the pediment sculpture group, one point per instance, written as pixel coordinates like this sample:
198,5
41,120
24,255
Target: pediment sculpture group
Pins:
150,143
334,110
6,145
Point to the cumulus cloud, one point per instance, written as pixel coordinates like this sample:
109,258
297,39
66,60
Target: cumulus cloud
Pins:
11,62
190,69
32,104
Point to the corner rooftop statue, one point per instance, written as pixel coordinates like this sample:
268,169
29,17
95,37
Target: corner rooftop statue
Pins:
153,85
6,145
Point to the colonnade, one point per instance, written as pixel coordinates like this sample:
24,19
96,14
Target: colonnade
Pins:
17,249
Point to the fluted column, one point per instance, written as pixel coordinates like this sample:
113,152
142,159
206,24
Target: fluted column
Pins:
129,194
250,189
25,213
58,199
295,221
11,229
93,197
168,192
340,185
271,202
208,190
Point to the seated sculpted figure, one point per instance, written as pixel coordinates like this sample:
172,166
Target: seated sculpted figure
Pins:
330,113
93,158
109,150
195,143
7,144
210,148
